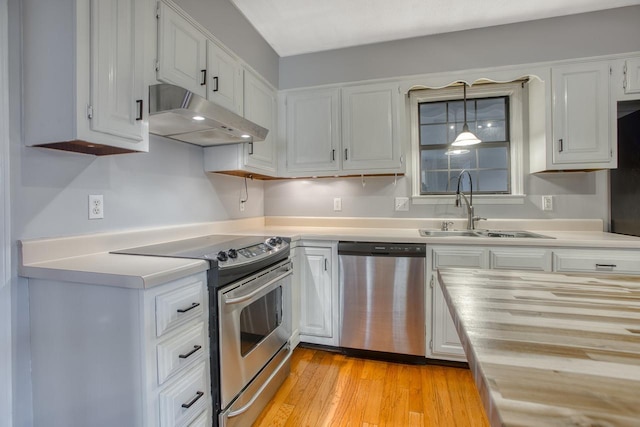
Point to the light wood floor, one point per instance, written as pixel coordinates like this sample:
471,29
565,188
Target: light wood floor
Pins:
329,389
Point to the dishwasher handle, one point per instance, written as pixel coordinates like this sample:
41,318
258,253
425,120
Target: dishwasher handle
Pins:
412,250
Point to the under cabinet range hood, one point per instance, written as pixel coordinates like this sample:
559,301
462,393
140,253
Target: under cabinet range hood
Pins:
177,113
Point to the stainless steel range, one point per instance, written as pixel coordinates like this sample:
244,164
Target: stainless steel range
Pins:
249,287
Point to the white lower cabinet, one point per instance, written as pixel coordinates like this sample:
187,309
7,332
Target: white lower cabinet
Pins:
111,356
316,274
616,261
443,341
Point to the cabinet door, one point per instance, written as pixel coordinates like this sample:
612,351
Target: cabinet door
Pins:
316,295
632,75
117,85
182,52
312,131
445,343
370,126
581,106
260,107
225,79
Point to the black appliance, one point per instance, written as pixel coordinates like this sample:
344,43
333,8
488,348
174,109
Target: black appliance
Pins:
625,180
247,265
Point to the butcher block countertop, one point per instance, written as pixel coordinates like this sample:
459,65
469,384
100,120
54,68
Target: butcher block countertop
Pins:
550,349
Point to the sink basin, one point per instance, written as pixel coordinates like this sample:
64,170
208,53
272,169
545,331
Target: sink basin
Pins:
448,233
512,234
520,234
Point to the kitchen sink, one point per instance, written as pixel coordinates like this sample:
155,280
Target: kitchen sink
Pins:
448,233
519,234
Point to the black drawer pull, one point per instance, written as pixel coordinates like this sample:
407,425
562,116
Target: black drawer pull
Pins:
184,310
199,394
140,103
204,77
195,348
607,266
215,82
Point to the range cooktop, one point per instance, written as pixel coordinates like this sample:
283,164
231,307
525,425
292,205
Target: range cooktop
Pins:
223,250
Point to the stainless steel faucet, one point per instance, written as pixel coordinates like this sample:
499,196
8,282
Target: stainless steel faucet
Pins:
471,218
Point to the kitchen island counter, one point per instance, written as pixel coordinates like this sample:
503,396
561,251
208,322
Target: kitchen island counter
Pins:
550,349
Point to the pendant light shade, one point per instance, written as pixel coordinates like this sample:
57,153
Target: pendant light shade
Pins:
466,137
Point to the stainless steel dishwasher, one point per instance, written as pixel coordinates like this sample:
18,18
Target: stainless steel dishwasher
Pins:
382,304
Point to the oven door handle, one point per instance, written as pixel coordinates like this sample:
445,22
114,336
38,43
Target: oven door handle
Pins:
276,371
242,298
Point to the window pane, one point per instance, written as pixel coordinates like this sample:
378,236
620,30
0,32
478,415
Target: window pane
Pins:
491,109
464,181
456,113
492,180
492,158
491,131
433,134
434,159
463,161
433,112
435,182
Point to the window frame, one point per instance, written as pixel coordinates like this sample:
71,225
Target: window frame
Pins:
514,91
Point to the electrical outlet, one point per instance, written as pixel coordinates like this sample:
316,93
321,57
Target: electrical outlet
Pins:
402,204
96,206
337,204
547,203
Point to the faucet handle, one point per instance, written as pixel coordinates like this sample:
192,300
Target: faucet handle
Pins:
477,218
445,225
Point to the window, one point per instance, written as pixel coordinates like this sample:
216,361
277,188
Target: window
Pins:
494,114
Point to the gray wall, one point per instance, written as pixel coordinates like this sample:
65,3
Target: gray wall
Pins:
576,195
230,26
583,35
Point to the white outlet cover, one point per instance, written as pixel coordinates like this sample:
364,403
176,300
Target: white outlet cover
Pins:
96,206
337,204
402,204
547,203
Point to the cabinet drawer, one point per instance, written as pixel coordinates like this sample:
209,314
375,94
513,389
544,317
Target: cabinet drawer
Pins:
185,398
618,261
180,351
520,259
177,307
457,257
203,420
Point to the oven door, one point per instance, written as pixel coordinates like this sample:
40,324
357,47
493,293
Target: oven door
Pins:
254,324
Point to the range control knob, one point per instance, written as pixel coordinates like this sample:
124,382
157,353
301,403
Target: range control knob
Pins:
233,254
222,256
274,241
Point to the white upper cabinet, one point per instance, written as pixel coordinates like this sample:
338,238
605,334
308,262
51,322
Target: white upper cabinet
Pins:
370,127
260,107
581,107
225,85
631,70
570,119
344,131
313,135
182,52
83,77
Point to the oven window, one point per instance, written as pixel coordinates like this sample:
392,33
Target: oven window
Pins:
259,319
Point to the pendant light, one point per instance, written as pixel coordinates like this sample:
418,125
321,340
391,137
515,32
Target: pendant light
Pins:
465,138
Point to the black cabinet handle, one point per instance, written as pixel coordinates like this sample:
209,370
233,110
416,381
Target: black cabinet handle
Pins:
195,348
140,103
346,154
204,77
333,155
199,394
184,310
560,145
606,266
215,84
250,148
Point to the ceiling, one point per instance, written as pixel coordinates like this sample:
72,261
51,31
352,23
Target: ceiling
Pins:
294,27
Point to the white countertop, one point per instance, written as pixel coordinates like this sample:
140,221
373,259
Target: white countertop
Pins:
86,259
